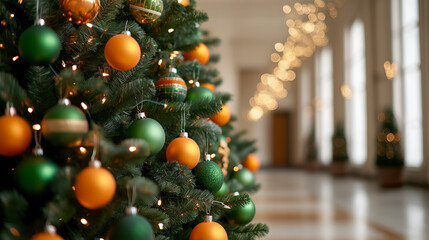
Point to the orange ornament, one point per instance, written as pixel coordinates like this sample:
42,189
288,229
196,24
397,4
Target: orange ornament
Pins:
209,86
15,134
95,186
80,11
183,150
208,230
48,234
200,52
184,2
221,118
122,52
252,162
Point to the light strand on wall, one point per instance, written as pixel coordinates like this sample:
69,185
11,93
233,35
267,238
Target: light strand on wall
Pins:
307,30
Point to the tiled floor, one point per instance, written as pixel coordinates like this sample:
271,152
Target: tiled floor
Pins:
298,205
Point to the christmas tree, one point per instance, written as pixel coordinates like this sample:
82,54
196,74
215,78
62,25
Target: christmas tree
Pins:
389,150
111,128
339,145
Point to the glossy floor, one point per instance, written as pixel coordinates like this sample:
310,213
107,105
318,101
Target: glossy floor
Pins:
298,205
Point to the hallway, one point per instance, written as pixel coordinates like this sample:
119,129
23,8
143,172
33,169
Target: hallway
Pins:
298,205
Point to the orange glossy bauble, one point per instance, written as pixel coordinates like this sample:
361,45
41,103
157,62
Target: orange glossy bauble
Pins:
252,162
184,2
80,11
200,52
46,236
209,86
122,52
184,151
95,187
208,231
15,135
221,118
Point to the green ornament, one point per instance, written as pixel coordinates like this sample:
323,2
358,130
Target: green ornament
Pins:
64,125
39,45
241,215
222,191
171,87
244,176
199,93
208,176
34,174
146,11
132,227
150,131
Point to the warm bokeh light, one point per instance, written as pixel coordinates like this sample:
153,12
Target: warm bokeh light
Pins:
346,91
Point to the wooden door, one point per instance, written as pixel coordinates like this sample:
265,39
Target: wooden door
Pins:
281,143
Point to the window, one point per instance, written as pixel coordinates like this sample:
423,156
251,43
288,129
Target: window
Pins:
356,126
407,83
324,104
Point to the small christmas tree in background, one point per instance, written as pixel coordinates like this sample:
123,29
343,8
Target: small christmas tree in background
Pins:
120,121
339,145
389,150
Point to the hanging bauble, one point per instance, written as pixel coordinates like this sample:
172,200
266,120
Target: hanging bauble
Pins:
95,186
252,162
208,175
171,86
149,130
146,11
122,52
64,125
39,45
80,11
222,191
221,118
198,93
209,86
132,227
15,134
241,215
200,52
183,150
50,233
184,2
244,176
34,174
208,230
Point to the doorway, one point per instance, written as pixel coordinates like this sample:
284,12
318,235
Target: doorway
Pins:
281,133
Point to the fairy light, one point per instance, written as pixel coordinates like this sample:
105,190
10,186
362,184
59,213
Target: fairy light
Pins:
159,62
159,202
36,127
170,30
30,109
165,106
15,58
63,64
105,74
89,25
74,67
84,221
82,150
84,106
74,188
103,100
161,226
191,81
132,148
1,45
236,168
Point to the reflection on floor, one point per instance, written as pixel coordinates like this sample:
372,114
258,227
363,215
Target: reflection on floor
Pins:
298,205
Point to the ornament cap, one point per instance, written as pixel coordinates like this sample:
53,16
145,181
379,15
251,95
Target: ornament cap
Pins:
141,115
95,163
10,111
128,33
207,157
196,84
172,69
38,151
39,22
50,229
208,218
184,134
64,101
131,210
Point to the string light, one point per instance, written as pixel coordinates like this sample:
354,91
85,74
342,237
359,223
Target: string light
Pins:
82,150
74,67
170,30
36,127
105,74
12,15
161,226
30,109
191,81
84,221
159,62
159,202
84,106
15,58
89,25
132,149
103,100
1,45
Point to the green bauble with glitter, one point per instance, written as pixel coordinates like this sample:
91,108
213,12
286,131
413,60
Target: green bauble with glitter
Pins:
34,174
64,125
132,227
208,176
241,215
222,191
171,87
244,176
150,131
146,11
39,45
198,93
